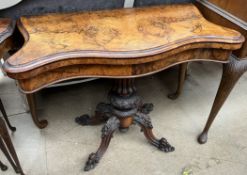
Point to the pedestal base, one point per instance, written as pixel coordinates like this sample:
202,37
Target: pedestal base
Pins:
125,108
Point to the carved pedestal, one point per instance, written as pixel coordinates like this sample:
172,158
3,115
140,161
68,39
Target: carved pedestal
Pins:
125,108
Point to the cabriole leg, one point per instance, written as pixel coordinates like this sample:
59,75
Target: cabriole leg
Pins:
232,71
31,103
181,79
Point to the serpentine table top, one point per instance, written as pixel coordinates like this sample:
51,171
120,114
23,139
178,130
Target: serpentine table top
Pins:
120,43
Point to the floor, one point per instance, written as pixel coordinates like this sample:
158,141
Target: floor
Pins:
63,147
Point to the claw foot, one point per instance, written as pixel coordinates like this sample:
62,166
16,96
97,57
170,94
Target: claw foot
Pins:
83,120
147,108
92,161
165,146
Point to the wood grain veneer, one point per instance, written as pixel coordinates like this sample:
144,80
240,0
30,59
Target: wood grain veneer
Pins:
115,44
6,30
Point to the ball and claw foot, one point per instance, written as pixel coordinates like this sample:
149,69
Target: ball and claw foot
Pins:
83,120
147,108
203,137
165,146
92,161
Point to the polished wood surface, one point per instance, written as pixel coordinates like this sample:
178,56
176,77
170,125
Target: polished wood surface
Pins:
114,34
232,72
213,15
223,12
39,81
121,44
124,43
6,30
235,7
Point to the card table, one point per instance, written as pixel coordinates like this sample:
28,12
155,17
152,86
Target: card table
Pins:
121,44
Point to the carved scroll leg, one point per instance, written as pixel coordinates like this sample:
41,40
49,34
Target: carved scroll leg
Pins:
3,167
6,117
181,79
107,131
102,113
9,152
145,122
232,71
146,108
31,102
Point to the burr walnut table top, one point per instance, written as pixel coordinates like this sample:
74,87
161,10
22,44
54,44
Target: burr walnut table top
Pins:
115,43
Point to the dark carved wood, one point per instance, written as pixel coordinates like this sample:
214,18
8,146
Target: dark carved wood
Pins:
181,79
31,102
145,122
8,149
102,114
125,108
231,74
107,131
